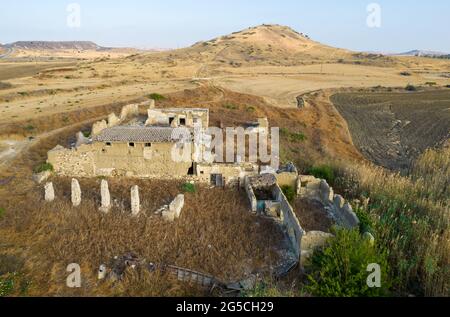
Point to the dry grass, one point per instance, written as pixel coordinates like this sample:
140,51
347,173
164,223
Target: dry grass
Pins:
412,219
216,234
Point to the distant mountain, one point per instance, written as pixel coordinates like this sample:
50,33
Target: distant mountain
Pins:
422,53
49,45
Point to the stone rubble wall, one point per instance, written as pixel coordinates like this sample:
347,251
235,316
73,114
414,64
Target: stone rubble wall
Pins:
318,189
290,222
251,197
77,162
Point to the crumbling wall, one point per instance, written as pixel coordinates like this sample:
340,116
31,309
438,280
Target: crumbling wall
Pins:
98,127
129,111
318,189
251,197
287,179
78,162
290,221
233,174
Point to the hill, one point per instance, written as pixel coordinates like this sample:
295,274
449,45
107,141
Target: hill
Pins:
422,53
53,45
272,45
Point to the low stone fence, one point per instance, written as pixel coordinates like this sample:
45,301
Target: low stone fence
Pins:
290,221
286,213
318,189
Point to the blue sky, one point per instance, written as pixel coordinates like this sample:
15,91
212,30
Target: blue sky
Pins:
405,24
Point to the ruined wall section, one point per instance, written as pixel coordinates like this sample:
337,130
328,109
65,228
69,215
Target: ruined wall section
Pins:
78,162
318,189
290,221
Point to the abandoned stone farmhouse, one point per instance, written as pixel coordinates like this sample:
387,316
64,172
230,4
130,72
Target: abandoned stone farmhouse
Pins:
142,148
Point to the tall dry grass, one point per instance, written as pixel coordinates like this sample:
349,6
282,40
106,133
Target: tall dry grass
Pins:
411,216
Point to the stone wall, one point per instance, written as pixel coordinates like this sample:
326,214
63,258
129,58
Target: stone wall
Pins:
233,174
251,197
290,221
77,162
339,209
287,179
130,111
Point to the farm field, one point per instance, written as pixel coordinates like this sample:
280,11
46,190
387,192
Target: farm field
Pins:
393,128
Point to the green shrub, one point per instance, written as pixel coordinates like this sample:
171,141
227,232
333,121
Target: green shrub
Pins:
156,96
6,285
323,171
405,73
43,168
289,192
188,188
365,222
340,269
29,128
87,134
297,137
2,212
411,88
231,106
293,136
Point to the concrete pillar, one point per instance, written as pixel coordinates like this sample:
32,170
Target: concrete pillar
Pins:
49,192
102,272
135,202
76,193
106,197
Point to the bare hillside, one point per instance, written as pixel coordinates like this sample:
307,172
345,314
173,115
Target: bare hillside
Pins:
273,45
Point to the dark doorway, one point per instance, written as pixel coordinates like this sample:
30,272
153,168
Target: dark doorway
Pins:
192,170
217,180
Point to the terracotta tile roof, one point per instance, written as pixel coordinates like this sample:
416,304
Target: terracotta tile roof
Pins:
137,134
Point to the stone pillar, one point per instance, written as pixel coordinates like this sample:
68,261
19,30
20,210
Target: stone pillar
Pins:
152,104
76,193
177,205
106,197
102,272
49,192
135,202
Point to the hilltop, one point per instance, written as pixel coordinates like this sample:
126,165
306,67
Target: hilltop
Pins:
273,45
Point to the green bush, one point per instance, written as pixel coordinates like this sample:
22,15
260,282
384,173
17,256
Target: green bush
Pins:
411,88
340,269
43,168
323,171
156,96
2,212
365,222
293,136
188,188
231,106
289,192
86,134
